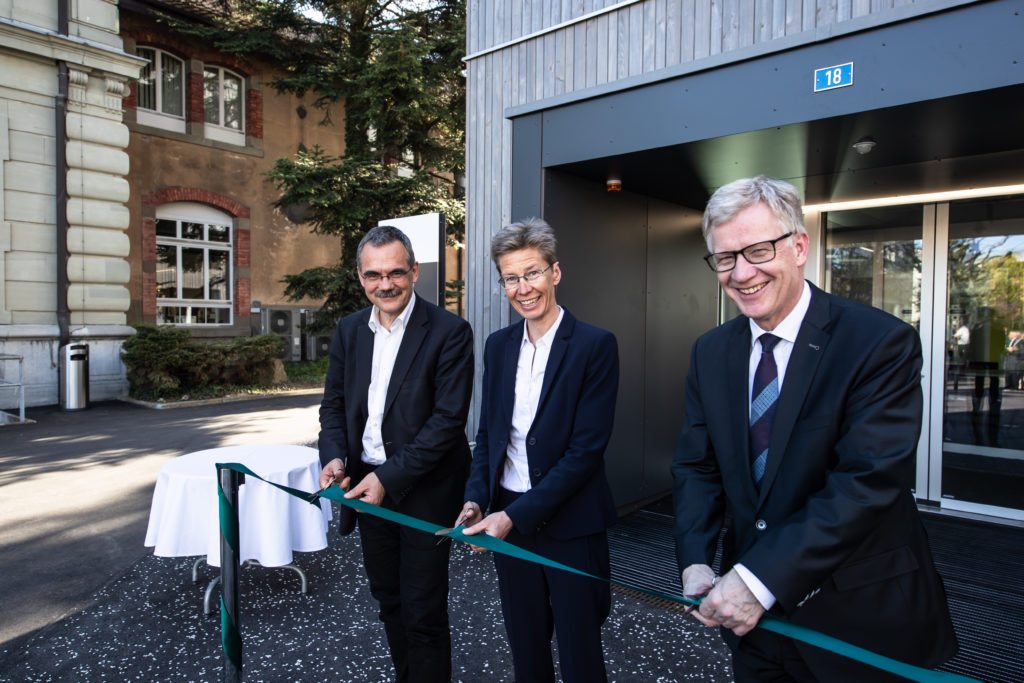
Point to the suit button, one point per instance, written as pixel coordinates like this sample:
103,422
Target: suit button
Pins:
761,525
537,473
532,440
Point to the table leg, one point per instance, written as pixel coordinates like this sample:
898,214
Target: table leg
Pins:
248,563
298,570
302,575
208,594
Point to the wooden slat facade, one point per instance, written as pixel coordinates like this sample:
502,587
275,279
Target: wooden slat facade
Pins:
515,61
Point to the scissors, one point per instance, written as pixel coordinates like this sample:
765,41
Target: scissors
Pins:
444,532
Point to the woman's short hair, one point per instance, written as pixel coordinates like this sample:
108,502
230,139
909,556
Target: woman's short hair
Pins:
533,232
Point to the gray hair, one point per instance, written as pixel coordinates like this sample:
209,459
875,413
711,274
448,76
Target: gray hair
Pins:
729,200
380,236
531,233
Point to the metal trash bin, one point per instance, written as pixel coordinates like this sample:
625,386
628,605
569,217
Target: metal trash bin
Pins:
74,376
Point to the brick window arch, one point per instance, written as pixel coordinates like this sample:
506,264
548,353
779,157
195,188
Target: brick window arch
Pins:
196,257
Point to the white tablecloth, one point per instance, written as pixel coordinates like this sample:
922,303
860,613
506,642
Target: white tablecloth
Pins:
184,518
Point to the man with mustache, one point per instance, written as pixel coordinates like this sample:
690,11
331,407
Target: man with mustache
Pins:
392,424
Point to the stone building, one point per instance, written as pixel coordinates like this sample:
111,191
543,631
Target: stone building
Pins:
162,202
64,242
208,252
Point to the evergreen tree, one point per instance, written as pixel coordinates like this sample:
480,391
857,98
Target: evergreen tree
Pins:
395,69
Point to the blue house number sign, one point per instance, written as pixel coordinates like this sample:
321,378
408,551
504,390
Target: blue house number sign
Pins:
838,76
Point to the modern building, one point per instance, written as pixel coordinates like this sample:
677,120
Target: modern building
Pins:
900,121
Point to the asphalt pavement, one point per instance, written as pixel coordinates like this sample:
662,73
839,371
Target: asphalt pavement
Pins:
81,598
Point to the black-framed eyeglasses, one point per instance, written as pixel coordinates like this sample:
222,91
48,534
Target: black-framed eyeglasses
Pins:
396,275
512,281
759,252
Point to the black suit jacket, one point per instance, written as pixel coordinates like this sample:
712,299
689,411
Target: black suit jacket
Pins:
834,532
565,446
424,412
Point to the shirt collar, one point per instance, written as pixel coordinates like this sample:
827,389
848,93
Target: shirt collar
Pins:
400,322
548,336
790,325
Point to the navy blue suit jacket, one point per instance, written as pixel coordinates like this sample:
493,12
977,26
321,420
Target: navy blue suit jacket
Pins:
565,446
834,531
424,426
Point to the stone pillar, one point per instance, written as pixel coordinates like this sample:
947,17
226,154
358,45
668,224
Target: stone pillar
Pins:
98,220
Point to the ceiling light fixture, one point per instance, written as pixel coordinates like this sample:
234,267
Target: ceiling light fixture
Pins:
925,198
864,145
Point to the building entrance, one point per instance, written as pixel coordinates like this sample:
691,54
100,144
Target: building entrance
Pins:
955,271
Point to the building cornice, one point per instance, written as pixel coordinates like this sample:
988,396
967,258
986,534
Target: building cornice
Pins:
29,39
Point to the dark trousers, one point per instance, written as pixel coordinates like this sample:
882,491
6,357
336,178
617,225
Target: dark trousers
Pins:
537,601
408,575
766,657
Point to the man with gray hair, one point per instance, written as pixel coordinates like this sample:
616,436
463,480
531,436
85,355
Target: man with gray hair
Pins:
802,420
549,389
392,425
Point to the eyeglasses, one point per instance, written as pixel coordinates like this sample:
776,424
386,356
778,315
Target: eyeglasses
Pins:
512,281
397,275
759,252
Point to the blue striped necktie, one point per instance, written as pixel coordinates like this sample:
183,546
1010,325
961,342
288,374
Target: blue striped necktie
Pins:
762,406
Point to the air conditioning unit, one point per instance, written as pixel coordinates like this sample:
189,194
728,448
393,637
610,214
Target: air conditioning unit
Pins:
284,322
318,346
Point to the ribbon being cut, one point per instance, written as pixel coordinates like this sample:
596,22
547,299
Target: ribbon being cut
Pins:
231,639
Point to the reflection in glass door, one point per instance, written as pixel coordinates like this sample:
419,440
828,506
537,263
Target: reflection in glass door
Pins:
983,396
874,256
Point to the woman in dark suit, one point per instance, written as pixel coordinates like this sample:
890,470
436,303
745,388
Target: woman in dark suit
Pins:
549,389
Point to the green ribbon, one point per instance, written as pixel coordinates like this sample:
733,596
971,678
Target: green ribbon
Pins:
768,622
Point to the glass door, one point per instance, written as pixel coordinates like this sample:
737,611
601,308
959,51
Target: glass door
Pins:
983,394
876,256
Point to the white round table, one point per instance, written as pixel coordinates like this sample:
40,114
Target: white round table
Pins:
184,517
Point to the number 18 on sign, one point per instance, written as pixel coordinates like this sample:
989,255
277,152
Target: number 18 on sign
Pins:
838,76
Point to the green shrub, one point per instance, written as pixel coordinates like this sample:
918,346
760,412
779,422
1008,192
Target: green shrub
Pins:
307,371
166,362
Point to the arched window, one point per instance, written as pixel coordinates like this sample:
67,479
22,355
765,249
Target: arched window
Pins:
224,105
193,265
161,91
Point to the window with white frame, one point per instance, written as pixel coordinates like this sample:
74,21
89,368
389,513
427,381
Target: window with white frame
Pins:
224,105
193,265
161,90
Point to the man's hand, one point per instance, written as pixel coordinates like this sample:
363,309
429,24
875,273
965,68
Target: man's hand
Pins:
369,490
332,473
697,581
496,524
730,604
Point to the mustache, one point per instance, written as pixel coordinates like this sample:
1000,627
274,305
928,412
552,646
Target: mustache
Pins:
387,293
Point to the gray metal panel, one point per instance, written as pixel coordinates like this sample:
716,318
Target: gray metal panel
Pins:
602,247
426,286
632,265
775,90
527,138
682,304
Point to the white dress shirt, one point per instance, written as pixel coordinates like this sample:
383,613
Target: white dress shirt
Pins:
385,349
786,331
533,359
